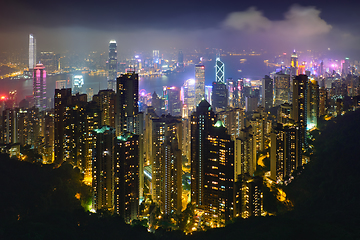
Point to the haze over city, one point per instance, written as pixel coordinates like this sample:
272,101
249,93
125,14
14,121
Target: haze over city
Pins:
179,120
273,26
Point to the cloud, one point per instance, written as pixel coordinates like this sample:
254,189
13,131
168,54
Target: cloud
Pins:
304,21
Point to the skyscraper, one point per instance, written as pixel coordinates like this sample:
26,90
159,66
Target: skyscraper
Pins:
199,83
166,163
312,104
39,86
219,96
294,64
32,52
213,171
181,59
127,107
219,70
126,176
103,168
300,87
112,65
267,92
281,88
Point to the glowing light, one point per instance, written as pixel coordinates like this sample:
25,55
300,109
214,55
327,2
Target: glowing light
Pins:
191,81
3,97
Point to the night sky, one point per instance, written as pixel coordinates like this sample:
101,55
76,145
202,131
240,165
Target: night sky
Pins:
144,25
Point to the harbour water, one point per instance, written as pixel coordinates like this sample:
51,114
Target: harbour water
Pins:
252,67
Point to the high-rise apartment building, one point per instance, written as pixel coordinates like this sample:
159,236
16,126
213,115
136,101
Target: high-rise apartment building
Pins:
312,104
103,160
245,153
126,176
233,120
112,65
218,177
300,98
284,154
39,87
105,99
127,107
167,163
173,104
199,83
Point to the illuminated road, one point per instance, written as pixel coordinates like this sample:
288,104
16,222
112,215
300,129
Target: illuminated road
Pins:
261,160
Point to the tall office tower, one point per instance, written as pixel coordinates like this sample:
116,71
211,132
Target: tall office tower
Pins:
245,153
285,114
258,122
312,104
219,70
103,168
248,196
219,96
322,101
126,170
251,103
345,67
173,104
199,83
234,92
156,58
77,84
181,59
32,52
39,87
300,85
218,177
105,99
281,88
112,65
189,95
167,163
267,92
284,153
127,108
93,121
9,126
294,64
233,120
202,121
29,126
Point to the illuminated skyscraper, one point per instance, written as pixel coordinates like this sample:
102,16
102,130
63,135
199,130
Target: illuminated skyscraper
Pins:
127,107
39,86
312,104
156,58
199,83
300,98
32,52
103,169
212,168
294,64
284,157
267,92
173,104
181,59
126,171
105,99
112,65
77,84
219,96
281,88
167,163
219,70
